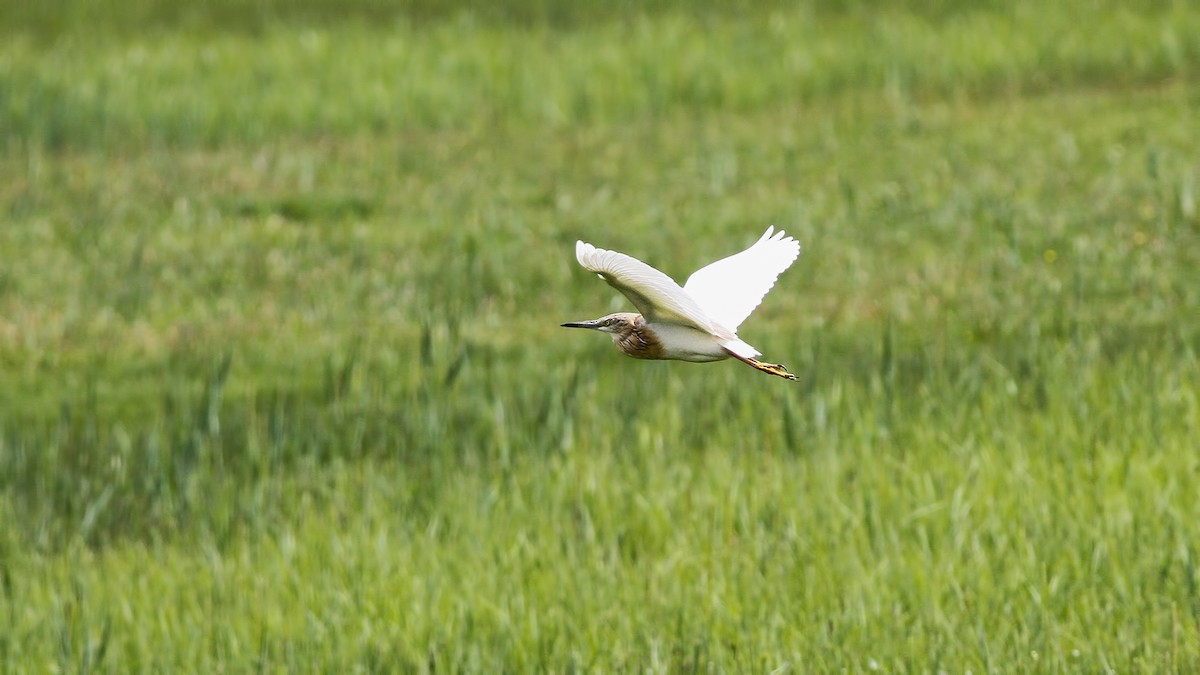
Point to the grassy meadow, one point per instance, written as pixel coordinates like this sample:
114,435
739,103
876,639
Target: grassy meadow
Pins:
282,387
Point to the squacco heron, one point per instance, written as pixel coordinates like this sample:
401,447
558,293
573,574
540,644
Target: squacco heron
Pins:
696,322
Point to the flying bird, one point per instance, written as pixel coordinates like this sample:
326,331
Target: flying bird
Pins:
696,322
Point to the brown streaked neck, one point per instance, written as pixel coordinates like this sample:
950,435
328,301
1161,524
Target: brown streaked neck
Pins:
636,339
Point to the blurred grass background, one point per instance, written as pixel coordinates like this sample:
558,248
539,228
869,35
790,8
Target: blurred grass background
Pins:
282,387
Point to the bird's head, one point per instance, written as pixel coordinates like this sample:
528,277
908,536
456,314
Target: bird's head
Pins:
613,323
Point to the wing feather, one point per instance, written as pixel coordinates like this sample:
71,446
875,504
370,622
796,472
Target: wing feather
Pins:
729,289
655,294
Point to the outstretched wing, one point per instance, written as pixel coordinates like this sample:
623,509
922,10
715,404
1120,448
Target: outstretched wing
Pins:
729,289
655,294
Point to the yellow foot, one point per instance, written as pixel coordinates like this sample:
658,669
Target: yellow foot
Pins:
772,368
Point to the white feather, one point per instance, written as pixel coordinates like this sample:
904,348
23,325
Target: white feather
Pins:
655,294
729,289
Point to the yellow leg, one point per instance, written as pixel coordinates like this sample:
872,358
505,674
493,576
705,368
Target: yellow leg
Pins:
772,368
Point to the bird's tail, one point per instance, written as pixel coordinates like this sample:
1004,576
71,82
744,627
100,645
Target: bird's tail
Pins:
740,349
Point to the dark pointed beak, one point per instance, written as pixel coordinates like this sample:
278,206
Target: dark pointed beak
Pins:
594,324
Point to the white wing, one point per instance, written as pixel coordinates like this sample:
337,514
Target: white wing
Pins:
655,294
729,289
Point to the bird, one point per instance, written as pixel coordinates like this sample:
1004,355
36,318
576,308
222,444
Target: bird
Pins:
695,322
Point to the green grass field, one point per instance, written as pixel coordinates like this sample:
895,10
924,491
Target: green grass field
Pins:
282,386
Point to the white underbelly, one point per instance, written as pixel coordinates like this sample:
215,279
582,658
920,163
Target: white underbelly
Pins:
688,344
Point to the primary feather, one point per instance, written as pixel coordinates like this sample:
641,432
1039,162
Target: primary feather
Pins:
729,289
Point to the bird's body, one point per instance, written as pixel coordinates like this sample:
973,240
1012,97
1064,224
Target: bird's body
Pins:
698,321
640,339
